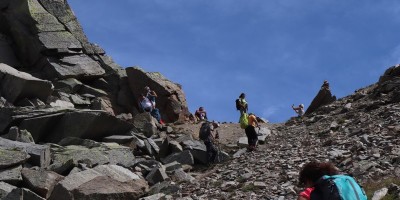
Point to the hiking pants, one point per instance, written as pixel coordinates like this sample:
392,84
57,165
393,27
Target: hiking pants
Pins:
211,151
251,135
156,114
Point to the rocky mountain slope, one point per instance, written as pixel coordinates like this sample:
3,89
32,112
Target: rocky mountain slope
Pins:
70,127
359,133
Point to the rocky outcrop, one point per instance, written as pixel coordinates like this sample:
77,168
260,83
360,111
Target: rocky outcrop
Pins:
171,100
323,97
54,124
16,85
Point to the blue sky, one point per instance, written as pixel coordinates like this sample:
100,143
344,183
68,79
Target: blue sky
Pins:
278,52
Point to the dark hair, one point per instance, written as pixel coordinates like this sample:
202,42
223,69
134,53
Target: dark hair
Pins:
242,95
313,171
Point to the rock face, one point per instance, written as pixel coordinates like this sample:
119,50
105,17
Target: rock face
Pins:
323,97
171,100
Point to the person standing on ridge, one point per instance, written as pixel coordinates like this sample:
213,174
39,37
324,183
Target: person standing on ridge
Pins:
241,104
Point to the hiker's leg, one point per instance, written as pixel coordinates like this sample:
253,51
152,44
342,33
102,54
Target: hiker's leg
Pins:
253,135
246,130
211,152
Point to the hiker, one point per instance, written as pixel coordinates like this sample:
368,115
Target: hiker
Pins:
241,104
146,105
319,177
200,114
325,85
251,132
299,110
151,95
208,138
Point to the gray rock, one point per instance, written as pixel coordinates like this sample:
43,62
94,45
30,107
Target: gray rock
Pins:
78,100
22,193
87,124
184,157
19,135
157,175
62,104
16,85
63,168
41,182
11,175
117,173
86,89
323,97
240,152
165,149
77,66
69,85
379,194
119,139
175,146
86,184
180,175
153,197
5,188
11,157
243,142
164,187
106,153
170,167
153,145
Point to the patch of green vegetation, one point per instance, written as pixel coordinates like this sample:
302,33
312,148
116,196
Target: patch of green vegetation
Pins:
372,186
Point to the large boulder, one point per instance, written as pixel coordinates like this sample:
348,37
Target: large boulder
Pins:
41,182
103,154
39,155
22,193
16,85
103,182
171,100
11,175
323,97
54,124
11,157
5,189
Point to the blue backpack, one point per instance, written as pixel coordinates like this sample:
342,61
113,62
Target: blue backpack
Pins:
338,187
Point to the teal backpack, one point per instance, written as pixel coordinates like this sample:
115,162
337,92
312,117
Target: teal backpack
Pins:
338,187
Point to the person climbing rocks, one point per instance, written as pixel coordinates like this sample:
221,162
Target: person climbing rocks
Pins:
251,133
146,105
299,110
200,114
323,181
325,85
241,104
206,134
